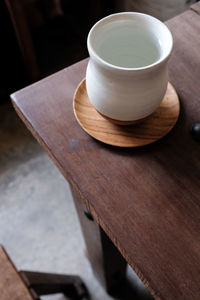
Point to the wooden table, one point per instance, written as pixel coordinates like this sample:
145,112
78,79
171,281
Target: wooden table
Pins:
146,200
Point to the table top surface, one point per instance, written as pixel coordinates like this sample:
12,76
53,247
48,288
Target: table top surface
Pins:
146,199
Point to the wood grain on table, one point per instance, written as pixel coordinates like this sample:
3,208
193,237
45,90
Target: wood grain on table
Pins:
146,199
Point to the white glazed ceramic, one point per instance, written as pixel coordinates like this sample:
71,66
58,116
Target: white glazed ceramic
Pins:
126,76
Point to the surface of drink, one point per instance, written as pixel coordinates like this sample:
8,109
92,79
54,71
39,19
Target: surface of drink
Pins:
129,47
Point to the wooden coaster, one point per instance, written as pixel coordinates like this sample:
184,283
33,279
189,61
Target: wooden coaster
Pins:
150,130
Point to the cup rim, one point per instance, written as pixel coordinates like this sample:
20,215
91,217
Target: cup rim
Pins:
93,53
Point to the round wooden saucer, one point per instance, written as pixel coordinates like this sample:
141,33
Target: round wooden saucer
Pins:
148,131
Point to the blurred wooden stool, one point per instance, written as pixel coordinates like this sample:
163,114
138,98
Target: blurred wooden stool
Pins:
30,285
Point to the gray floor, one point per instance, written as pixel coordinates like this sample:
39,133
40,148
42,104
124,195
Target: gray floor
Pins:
38,223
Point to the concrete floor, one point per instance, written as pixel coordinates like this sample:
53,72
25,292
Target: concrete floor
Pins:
38,222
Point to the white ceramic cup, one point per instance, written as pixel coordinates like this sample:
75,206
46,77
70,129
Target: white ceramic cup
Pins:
126,76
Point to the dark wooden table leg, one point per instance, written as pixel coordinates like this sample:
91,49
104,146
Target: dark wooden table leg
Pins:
107,263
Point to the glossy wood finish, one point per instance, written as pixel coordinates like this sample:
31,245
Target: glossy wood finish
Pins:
146,132
145,199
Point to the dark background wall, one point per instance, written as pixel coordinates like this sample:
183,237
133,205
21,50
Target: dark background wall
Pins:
12,70
58,41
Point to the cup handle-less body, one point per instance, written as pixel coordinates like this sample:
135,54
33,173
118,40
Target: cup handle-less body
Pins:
126,77
125,95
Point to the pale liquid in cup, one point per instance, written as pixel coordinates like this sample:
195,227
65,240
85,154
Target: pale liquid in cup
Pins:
128,46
